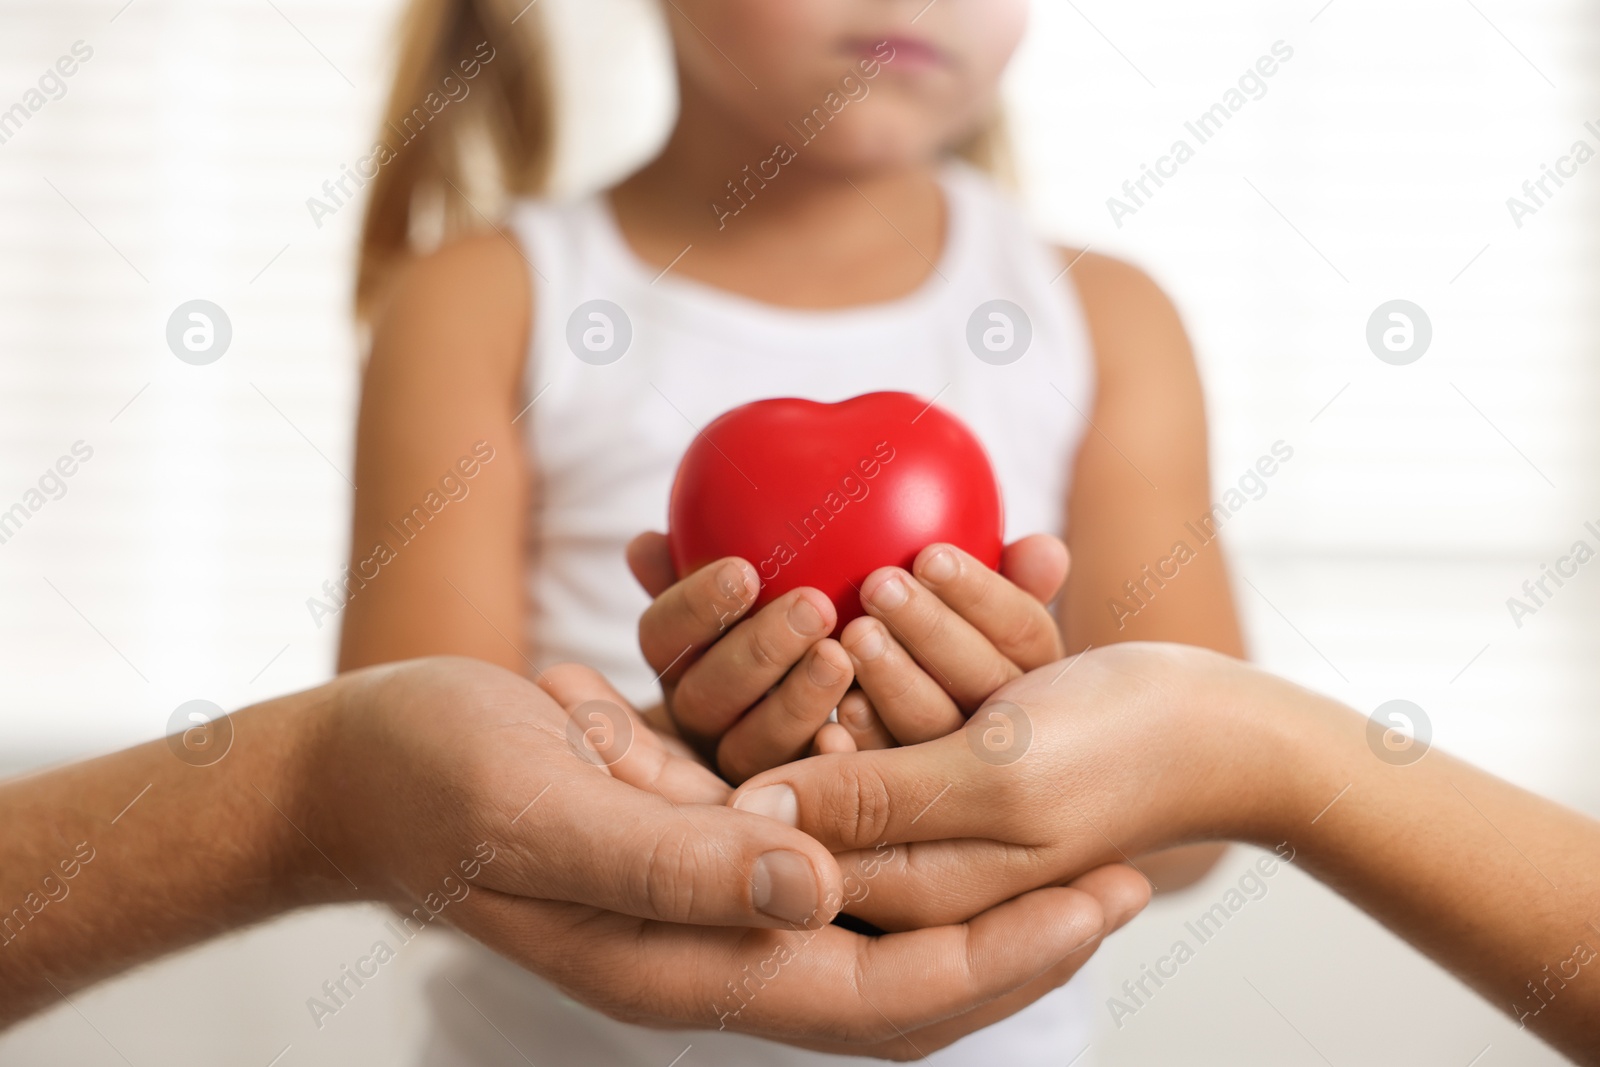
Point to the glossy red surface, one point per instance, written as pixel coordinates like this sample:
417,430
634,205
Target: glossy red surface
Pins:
822,495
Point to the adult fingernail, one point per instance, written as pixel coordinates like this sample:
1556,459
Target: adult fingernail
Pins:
870,644
1091,939
784,887
773,801
823,673
940,565
890,594
805,619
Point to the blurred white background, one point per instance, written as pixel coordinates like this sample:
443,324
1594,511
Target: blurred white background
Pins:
1376,167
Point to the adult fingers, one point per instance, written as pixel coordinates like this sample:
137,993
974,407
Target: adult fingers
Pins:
1123,892
603,729
650,560
834,982
594,840
927,792
1016,623
1114,888
910,705
781,727
691,614
737,671
953,651
913,885
998,955
920,1044
933,883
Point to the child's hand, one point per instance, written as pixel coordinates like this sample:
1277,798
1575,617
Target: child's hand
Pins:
935,646
749,692
961,632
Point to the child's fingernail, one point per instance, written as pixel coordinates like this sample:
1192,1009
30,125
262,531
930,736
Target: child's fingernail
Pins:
738,580
823,673
805,619
855,715
869,645
784,887
941,565
890,594
773,801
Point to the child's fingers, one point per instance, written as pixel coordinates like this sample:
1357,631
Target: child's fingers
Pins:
958,656
736,672
909,704
1038,565
781,728
831,740
693,613
861,723
651,562
1016,623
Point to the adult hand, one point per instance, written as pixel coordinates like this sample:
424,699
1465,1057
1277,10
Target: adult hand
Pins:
1134,747
576,844
1088,762
608,853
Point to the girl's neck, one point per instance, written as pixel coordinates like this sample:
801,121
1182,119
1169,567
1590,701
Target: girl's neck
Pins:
844,237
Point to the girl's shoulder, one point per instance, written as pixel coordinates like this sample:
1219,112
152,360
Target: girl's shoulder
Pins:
471,299
1134,328
485,267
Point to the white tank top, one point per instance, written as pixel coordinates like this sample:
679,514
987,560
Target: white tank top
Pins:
604,435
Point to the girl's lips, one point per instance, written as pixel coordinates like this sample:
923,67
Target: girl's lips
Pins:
909,53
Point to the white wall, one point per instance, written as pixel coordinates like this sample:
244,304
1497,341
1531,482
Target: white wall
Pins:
1376,167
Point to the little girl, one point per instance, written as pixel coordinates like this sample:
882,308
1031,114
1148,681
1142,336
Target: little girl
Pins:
824,220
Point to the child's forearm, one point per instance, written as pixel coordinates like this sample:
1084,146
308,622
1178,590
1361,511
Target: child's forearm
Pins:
1498,885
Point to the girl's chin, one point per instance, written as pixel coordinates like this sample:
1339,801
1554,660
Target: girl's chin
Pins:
871,151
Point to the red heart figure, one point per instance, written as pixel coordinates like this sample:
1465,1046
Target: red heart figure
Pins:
822,495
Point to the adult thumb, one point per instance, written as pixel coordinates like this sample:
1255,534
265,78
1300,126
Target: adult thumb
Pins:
634,852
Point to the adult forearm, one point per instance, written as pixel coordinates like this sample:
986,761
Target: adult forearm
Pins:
1498,885
1137,747
117,860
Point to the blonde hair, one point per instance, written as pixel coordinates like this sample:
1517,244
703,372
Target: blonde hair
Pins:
989,148
505,124
496,141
